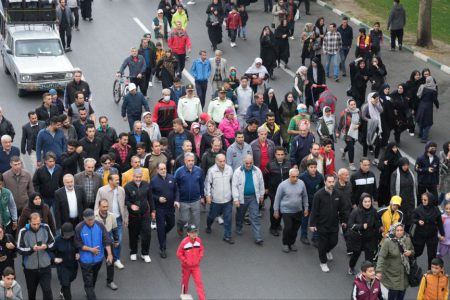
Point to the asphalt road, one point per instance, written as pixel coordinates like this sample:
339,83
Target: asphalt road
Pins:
243,270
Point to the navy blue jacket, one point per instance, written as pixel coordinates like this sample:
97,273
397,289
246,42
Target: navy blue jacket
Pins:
254,111
346,36
300,147
190,184
5,158
46,142
424,177
132,105
312,184
166,188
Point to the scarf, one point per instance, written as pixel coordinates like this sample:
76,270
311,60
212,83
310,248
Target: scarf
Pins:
261,71
429,84
397,184
353,133
169,65
402,245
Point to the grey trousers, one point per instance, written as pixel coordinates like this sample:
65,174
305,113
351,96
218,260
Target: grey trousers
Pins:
189,213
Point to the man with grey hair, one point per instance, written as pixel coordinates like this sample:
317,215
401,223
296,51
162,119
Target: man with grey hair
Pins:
290,200
218,195
70,201
164,112
248,192
7,150
191,192
90,181
6,127
219,70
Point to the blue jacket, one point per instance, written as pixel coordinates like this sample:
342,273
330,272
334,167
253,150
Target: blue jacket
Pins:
201,70
95,236
46,142
312,184
132,105
254,111
190,184
5,158
166,188
300,147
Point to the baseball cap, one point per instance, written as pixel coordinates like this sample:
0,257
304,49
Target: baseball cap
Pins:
192,228
67,230
131,86
52,92
88,214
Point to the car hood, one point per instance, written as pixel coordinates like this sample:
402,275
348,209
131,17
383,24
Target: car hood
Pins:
43,64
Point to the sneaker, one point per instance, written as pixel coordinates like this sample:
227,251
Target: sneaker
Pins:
336,79
329,256
400,47
349,253
292,37
191,2
375,162
220,220
228,240
305,240
352,167
293,248
91,19
411,133
274,232
259,242
112,285
68,49
146,258
133,257
208,230
118,264
351,271
162,253
285,248
324,268
150,84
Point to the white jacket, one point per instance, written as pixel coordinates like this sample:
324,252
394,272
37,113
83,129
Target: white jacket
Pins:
218,184
238,184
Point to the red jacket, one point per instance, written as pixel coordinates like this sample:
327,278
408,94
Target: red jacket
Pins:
329,161
179,41
190,253
164,113
234,20
361,291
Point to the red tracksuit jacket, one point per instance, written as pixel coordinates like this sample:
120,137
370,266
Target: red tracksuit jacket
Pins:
234,21
190,253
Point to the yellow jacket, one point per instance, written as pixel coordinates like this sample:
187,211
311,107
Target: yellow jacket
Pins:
180,17
388,218
128,176
433,287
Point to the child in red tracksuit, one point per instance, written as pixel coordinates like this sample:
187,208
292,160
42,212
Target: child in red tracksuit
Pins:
190,253
234,22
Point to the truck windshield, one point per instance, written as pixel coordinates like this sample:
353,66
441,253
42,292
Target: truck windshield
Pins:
49,47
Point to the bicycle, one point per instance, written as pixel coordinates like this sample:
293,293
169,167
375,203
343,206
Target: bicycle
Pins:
120,87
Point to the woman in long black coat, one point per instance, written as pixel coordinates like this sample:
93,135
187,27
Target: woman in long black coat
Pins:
377,73
402,112
412,85
282,43
312,91
387,116
268,52
359,82
214,24
387,165
7,250
427,94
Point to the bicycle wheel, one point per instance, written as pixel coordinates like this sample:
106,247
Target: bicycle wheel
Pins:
117,93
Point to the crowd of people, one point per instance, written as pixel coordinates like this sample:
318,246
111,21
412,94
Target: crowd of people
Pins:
88,183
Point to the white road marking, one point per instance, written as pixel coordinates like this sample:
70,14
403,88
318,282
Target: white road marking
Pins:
445,69
421,56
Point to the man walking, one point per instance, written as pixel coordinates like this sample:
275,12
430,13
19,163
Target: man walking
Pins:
179,42
132,105
396,23
29,136
65,22
190,107
332,44
363,181
238,150
50,139
201,70
346,32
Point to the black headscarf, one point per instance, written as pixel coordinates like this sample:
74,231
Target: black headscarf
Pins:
33,207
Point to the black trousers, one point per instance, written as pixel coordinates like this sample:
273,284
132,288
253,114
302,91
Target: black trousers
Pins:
201,86
142,83
292,222
232,33
275,224
86,9
42,277
109,269
139,227
350,148
65,33
306,5
396,34
90,273
369,246
76,15
181,62
327,241
146,80
165,221
431,241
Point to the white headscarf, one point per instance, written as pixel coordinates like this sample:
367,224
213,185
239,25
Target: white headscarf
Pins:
261,71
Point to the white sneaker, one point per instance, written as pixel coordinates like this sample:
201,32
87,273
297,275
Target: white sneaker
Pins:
150,84
324,268
118,264
411,133
191,2
146,258
220,220
352,167
329,256
133,257
375,162
292,38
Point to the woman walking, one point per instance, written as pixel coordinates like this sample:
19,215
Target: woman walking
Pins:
348,126
402,112
316,80
299,84
388,164
214,24
282,43
371,128
411,88
258,75
286,111
427,93
359,83
268,50
166,69
310,43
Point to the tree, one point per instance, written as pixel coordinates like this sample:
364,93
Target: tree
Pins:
424,24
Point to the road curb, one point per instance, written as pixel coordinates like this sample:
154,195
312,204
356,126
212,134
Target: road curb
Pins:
420,55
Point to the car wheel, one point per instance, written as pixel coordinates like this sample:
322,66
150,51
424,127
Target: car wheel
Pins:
5,68
21,92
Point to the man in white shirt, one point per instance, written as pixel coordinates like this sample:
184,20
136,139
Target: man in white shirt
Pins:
115,195
189,107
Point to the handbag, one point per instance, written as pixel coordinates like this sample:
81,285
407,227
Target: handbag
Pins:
415,272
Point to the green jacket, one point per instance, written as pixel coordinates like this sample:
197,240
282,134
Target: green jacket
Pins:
390,265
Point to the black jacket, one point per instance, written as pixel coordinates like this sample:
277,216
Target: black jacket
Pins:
123,165
62,205
363,183
72,162
278,172
29,136
72,87
209,159
431,216
141,196
108,137
359,238
171,140
81,128
145,138
328,210
44,115
6,127
92,149
45,183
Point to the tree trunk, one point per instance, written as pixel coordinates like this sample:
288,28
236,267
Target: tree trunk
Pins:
424,24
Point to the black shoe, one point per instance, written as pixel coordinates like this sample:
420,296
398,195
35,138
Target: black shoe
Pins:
229,240
315,243
308,13
247,222
400,47
90,19
305,241
68,49
259,242
162,253
274,232
208,230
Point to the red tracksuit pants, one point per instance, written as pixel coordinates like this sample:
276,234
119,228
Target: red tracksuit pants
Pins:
195,272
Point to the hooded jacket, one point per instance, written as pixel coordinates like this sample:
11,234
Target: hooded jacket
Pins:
43,210
397,17
16,291
423,165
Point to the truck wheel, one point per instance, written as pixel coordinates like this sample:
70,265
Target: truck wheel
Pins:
5,68
21,92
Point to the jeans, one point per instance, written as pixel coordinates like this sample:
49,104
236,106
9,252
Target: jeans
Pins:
142,83
201,86
396,34
65,32
139,226
327,241
291,225
291,27
90,273
423,132
165,221
396,295
189,213
335,59
242,32
225,209
304,228
42,277
116,251
131,120
343,55
252,205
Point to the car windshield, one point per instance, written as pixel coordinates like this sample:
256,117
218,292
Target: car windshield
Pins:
48,47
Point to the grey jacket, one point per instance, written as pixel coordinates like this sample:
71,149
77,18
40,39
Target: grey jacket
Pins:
21,187
397,17
16,291
290,197
235,155
69,16
238,184
218,184
27,239
105,192
256,149
134,68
